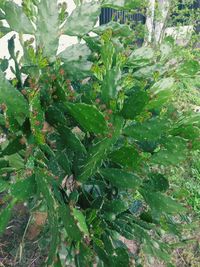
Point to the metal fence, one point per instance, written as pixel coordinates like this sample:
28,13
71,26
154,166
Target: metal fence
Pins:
108,14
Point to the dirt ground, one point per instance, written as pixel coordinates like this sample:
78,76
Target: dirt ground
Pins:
16,251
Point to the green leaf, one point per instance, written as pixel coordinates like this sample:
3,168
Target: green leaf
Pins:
17,19
189,67
93,42
3,163
47,34
149,130
157,250
4,185
78,215
84,257
187,127
15,161
43,185
16,104
55,116
135,104
126,156
148,72
160,203
5,216
161,92
141,226
123,229
64,161
88,116
115,206
157,182
118,30
191,119
141,56
98,152
36,117
2,120
165,50
102,255
120,178
121,258
2,15
57,262
24,189
7,170
94,160
189,132
173,151
107,51
13,146
83,19
69,222
110,84
75,58
3,31
70,139
4,63
122,4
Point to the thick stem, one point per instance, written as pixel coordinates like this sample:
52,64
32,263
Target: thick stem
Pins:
150,20
160,21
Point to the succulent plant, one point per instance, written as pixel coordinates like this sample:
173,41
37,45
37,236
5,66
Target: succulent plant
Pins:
87,130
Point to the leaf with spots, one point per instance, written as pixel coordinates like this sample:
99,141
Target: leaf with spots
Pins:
17,19
89,117
13,102
76,62
69,222
70,139
83,19
118,30
43,184
13,146
79,216
157,182
188,68
160,203
173,151
141,56
36,116
115,206
161,92
150,130
126,156
135,104
97,153
120,178
47,24
110,84
24,189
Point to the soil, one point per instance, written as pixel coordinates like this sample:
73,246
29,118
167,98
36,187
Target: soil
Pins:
11,242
